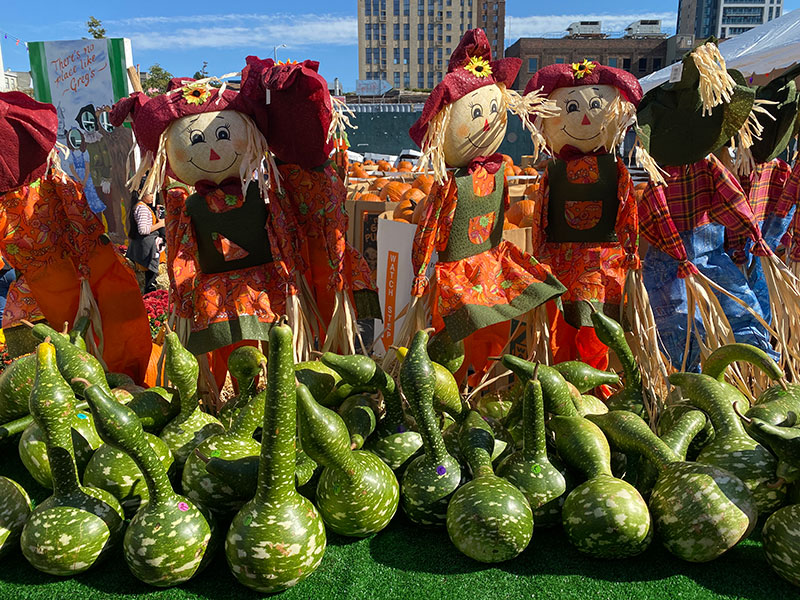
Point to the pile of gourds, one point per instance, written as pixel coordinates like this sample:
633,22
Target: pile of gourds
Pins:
338,444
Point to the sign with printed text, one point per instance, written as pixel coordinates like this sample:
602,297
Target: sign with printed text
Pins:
372,87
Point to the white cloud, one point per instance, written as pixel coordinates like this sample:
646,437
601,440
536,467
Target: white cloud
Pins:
539,25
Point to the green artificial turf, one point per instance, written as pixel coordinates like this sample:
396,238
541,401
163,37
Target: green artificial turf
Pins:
408,562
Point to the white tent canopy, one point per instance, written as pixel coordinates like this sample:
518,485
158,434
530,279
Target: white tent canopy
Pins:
763,49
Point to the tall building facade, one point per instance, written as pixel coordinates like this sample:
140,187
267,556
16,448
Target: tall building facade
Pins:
725,18
408,42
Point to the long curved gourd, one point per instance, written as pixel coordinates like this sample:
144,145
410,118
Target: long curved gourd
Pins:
781,540
188,430
488,518
784,442
604,517
325,384
444,351
672,413
75,527
277,539
155,407
701,511
585,377
631,397
446,396
557,396
732,449
168,539
244,364
529,469
204,487
15,508
430,479
357,493
358,413
392,440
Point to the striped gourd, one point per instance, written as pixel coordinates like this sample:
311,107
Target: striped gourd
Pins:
277,539
15,507
75,527
168,539
781,540
244,364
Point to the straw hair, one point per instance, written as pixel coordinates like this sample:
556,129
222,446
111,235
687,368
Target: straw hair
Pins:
341,332
621,115
784,301
537,336
648,163
746,136
433,145
87,305
716,85
298,309
340,120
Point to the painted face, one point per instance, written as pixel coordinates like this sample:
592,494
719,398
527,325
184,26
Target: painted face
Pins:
477,126
584,110
208,146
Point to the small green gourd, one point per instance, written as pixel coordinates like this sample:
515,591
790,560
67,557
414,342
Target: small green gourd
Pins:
700,511
585,377
16,382
784,443
610,332
15,507
430,479
277,539
324,383
187,430
776,405
77,526
604,517
672,413
358,413
444,351
446,396
169,539
488,518
119,380
155,407
208,490
245,363
357,493
556,392
781,540
77,333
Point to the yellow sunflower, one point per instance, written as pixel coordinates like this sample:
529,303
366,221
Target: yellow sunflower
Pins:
196,93
479,67
584,68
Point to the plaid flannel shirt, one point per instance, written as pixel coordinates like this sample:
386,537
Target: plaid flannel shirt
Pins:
789,198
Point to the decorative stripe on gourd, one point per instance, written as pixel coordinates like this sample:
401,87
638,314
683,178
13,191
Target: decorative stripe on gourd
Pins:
245,364
357,493
191,426
701,511
169,539
610,332
732,449
15,508
781,540
430,479
604,517
488,518
77,526
277,539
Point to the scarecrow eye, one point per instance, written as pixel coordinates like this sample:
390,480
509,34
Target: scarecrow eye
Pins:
223,133
595,103
572,106
493,108
197,137
477,111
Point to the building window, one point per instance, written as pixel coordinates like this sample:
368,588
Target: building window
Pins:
397,56
420,56
643,64
449,51
626,64
430,79
406,55
430,56
406,31
367,8
449,26
369,56
656,64
448,38
449,14
612,62
368,31
396,7
560,60
430,32
397,31
533,65
406,79
420,79
406,7
484,18
420,32
397,79
420,9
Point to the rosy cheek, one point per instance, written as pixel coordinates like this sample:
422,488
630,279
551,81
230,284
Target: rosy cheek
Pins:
239,145
180,155
462,131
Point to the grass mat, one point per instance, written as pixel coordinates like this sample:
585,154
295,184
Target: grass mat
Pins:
408,562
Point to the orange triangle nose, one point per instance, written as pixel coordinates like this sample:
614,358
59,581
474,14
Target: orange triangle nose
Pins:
213,155
585,121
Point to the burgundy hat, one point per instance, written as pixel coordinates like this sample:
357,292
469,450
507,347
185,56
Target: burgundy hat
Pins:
471,67
553,77
28,131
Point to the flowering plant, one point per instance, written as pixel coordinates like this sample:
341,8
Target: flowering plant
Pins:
157,305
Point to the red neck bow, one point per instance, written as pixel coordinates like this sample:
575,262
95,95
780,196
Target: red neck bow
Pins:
230,187
491,163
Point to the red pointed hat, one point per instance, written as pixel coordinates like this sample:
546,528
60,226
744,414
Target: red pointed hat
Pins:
28,131
471,67
553,77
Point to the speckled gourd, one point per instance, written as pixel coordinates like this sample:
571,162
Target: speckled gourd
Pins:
444,351
700,510
732,449
430,479
204,487
16,382
169,539
187,430
392,441
155,407
75,527
244,364
278,538
784,443
446,395
604,517
325,384
556,392
15,507
357,493
780,538
358,414
610,332
488,518
585,377
530,469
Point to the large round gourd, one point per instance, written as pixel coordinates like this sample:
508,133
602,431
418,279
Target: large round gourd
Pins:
15,507
781,540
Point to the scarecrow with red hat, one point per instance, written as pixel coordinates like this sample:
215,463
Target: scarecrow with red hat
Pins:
51,237
482,281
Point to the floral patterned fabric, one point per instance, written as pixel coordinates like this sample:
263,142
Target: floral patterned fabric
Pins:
20,304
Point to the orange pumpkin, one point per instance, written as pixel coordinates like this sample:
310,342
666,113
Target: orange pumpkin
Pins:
419,211
521,211
529,171
405,165
531,190
393,191
378,183
384,165
507,159
509,170
370,198
424,183
358,171
517,170
509,225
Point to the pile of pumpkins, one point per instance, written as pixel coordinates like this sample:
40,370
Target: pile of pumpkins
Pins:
339,444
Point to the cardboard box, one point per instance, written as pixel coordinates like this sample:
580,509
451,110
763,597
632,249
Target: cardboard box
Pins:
528,160
362,231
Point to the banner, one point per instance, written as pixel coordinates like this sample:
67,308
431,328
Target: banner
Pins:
83,79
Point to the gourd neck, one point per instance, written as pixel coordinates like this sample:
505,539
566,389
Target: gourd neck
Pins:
629,433
476,442
63,468
393,402
582,445
432,440
684,431
712,397
249,419
534,444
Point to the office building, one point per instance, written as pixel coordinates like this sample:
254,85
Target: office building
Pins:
725,18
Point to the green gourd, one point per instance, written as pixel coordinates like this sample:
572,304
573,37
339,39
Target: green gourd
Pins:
16,382
244,364
701,511
529,469
155,407
323,382
732,449
169,539
430,479
202,486
556,392
112,470
585,377
15,507
444,351
357,493
784,443
119,380
446,396
277,539
586,404
781,541
75,527
187,430
631,397
78,332
604,517
488,518
672,413
718,361
358,413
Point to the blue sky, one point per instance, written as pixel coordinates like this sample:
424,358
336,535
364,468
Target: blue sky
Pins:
180,35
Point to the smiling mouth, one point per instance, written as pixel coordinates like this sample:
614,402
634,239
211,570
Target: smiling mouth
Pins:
476,145
564,129
235,156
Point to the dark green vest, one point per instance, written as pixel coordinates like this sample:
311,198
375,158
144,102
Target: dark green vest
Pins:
243,226
604,191
468,207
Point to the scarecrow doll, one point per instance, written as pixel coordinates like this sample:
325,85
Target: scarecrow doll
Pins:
57,244
482,281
